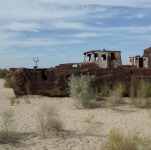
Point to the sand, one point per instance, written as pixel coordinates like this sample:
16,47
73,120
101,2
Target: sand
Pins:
84,129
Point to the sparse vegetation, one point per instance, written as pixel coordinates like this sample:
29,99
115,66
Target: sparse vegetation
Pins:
7,134
92,128
104,92
143,95
80,90
47,121
8,120
12,101
27,101
17,101
8,83
116,97
3,73
117,140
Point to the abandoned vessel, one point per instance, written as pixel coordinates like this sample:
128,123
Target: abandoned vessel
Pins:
106,67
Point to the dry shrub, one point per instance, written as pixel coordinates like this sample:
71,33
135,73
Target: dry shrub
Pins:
80,89
117,140
116,97
104,92
12,101
47,121
27,101
143,95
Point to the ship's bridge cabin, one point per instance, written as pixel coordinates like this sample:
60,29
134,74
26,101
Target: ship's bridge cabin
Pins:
104,58
141,61
138,61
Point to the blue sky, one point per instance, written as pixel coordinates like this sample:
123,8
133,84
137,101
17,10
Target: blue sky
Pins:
59,31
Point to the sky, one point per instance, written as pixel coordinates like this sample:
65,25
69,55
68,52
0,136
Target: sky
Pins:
60,31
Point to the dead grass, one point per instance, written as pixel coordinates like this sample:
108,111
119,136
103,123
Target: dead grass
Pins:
117,96
143,95
117,140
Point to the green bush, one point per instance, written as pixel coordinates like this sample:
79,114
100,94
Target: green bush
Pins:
105,91
117,140
80,89
4,73
8,83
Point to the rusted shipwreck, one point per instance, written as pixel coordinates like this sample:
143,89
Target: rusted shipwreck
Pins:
106,67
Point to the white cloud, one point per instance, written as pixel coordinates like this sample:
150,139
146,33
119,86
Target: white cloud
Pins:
22,26
21,10
35,42
90,34
129,3
69,25
140,15
11,39
85,34
36,10
124,30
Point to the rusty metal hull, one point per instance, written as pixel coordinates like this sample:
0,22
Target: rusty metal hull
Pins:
53,82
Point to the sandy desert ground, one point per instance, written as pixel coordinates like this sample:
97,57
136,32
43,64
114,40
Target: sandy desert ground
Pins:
84,129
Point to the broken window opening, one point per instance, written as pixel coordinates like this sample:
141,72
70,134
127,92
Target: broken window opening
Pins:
103,57
89,57
96,57
113,56
131,60
141,62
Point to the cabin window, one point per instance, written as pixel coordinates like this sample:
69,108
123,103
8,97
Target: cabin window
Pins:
95,57
103,57
131,60
141,62
112,56
89,57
